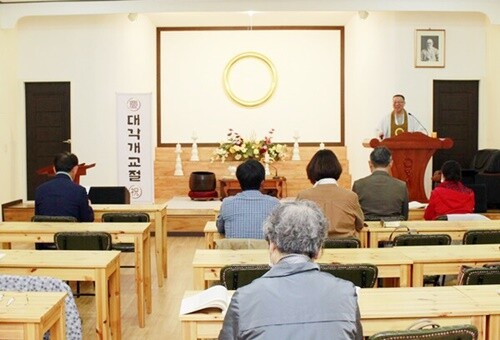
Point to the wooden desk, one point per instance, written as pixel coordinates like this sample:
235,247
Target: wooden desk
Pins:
31,314
231,186
397,308
136,233
371,235
24,211
391,263
102,267
211,234
418,214
456,229
401,307
486,296
438,260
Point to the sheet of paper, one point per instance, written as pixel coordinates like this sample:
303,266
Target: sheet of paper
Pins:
417,205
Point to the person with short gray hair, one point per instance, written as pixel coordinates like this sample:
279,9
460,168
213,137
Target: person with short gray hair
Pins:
294,299
380,195
281,230
380,157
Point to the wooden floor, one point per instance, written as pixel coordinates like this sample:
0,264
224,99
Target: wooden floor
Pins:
163,322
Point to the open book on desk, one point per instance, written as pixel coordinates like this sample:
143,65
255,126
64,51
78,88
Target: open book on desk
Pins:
213,297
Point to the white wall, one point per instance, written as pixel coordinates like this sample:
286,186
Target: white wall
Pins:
380,63
102,55
490,125
8,113
308,73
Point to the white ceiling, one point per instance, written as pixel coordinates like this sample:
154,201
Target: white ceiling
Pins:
13,10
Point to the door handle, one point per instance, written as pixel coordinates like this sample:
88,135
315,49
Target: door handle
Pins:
67,141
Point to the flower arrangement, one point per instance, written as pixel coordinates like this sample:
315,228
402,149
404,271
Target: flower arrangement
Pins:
236,148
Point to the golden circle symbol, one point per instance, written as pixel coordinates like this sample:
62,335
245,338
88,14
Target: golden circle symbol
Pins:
398,131
272,71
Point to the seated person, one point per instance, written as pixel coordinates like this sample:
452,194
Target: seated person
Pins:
381,195
60,196
451,196
294,299
341,206
241,216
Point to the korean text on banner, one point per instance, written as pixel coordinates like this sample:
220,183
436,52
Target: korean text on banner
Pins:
134,145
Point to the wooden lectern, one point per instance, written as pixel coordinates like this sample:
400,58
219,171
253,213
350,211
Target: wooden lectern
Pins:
411,151
82,171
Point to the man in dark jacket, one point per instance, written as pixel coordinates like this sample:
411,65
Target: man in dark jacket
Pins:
380,195
60,196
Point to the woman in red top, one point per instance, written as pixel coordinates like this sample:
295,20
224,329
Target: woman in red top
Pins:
451,196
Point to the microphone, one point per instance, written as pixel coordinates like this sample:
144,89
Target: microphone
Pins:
275,172
427,132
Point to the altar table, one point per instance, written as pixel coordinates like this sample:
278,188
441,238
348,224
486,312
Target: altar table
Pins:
231,186
382,310
137,233
24,211
29,315
391,263
102,267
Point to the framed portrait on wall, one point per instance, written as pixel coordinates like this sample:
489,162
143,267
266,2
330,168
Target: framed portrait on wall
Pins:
430,48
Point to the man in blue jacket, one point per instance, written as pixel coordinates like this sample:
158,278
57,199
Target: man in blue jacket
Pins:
61,196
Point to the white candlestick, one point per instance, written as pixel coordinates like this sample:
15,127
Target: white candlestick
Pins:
296,134
178,162
194,135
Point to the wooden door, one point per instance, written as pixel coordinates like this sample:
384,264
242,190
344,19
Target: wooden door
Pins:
456,116
47,128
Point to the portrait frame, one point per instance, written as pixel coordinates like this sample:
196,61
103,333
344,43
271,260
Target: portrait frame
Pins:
430,48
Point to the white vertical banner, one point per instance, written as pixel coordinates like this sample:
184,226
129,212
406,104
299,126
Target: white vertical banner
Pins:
133,112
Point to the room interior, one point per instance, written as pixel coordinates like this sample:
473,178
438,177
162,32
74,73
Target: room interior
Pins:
108,47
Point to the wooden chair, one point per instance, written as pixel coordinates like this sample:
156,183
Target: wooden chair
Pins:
349,242
424,240
241,243
138,217
489,274
238,275
481,237
76,240
45,218
363,275
459,332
